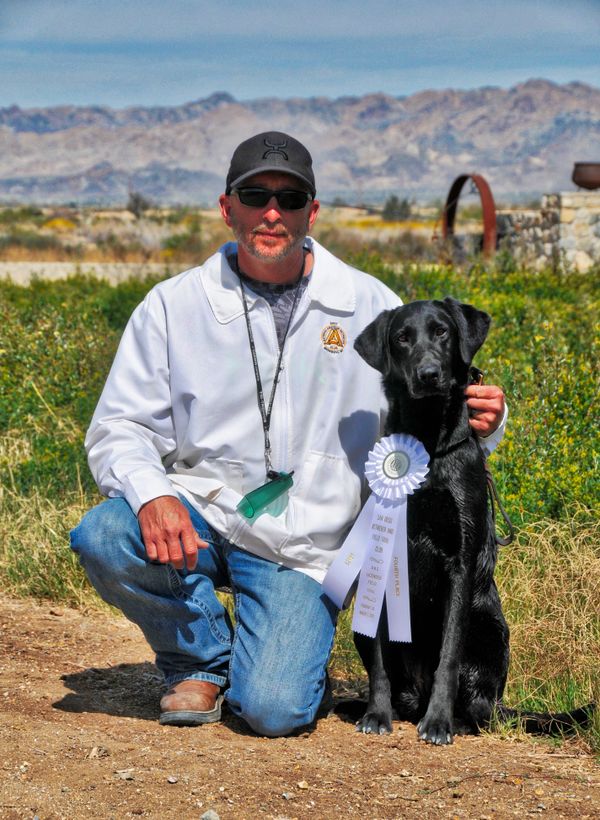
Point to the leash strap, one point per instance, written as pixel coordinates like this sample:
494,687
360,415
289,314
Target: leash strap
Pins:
494,497
476,377
502,541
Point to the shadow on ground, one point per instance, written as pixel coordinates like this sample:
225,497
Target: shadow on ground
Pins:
130,690
134,690
127,690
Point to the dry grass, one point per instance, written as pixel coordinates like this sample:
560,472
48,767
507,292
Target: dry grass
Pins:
549,583
89,236
35,558
550,588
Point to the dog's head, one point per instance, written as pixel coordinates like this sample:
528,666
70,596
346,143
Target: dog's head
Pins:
427,345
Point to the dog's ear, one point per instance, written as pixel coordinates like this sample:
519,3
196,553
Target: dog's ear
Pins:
473,326
373,342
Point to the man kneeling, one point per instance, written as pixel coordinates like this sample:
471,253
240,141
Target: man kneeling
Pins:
230,376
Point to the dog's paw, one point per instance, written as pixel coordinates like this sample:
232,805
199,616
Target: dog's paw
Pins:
436,730
375,723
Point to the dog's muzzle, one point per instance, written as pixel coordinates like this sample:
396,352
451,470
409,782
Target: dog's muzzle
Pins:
429,375
428,380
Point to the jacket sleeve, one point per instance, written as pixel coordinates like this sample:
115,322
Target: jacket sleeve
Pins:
132,429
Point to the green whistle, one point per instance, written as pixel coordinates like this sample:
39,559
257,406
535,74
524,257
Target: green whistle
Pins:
253,503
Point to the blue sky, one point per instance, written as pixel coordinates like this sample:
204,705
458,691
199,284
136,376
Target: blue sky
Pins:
128,52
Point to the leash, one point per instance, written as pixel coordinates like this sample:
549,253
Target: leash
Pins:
501,540
476,377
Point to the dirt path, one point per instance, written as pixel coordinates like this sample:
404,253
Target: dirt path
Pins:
79,739
21,273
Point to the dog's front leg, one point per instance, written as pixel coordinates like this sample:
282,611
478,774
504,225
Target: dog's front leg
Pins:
378,717
436,725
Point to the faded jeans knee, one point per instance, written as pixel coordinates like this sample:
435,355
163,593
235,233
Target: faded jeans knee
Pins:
274,713
273,719
108,541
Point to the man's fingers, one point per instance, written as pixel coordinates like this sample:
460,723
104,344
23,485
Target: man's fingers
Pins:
483,391
151,550
168,533
162,551
190,541
484,424
484,404
175,551
481,426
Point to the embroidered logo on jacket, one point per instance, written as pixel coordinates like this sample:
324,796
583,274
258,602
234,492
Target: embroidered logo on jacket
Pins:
333,338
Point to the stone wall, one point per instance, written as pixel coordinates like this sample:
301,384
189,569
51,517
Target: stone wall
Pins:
566,229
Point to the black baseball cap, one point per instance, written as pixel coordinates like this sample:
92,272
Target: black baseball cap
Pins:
270,151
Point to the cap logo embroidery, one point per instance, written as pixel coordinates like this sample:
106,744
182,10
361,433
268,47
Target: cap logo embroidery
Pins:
275,148
333,338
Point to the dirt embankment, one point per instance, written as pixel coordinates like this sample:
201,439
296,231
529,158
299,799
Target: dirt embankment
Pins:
22,273
79,702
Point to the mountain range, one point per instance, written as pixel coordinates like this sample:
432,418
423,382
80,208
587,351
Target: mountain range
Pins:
524,140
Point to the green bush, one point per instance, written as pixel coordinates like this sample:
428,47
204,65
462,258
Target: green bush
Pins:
58,339
15,216
395,209
188,245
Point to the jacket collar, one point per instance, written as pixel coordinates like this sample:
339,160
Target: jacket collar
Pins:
330,284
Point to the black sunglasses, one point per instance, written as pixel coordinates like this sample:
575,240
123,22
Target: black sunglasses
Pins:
289,200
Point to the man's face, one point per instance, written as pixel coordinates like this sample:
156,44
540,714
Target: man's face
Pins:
269,233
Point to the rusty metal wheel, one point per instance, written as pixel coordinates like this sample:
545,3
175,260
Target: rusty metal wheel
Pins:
487,205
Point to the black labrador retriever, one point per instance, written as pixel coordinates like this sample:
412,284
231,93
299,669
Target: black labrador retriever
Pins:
452,675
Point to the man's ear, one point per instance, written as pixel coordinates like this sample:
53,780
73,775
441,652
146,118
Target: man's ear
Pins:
225,208
315,206
473,326
373,343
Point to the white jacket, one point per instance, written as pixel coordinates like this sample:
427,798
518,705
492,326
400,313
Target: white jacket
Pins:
179,411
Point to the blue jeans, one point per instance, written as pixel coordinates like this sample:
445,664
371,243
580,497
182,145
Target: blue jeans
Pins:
273,662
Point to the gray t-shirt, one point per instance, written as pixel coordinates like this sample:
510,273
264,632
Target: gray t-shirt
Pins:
279,297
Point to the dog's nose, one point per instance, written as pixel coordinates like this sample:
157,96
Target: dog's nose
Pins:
429,374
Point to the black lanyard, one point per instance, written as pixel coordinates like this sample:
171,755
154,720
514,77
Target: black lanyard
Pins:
265,413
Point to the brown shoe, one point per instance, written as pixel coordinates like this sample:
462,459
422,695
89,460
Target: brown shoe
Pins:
191,703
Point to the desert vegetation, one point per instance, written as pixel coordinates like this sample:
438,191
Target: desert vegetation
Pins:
143,234
136,234
173,238
57,340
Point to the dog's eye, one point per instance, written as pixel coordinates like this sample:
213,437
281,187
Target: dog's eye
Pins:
440,331
401,337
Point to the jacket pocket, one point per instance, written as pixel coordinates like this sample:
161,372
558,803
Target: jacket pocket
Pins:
325,504
208,478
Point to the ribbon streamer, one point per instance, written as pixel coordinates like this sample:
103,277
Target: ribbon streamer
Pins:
376,547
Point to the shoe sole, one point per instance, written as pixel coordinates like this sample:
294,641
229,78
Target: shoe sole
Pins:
184,717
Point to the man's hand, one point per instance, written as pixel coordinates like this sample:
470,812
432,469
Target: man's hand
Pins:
166,527
486,402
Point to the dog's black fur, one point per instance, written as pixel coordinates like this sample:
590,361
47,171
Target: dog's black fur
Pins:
452,675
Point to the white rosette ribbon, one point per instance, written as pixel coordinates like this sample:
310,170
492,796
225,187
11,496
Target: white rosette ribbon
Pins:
376,547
